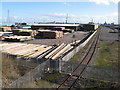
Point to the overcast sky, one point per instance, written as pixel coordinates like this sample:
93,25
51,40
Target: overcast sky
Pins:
81,12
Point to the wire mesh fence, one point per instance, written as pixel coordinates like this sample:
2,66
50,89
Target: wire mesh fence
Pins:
35,73
96,72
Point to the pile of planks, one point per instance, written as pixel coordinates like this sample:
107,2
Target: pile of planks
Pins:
18,38
5,28
50,34
24,50
24,32
34,51
59,51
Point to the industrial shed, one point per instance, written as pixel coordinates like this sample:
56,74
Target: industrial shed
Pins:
49,34
89,27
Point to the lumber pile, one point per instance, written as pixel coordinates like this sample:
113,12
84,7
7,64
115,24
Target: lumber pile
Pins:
50,34
24,32
59,51
34,51
18,38
68,30
24,50
5,28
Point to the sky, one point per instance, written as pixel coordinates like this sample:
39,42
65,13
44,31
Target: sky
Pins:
78,12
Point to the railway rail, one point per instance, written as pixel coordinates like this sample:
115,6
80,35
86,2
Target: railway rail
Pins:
71,80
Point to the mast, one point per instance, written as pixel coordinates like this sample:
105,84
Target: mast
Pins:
8,17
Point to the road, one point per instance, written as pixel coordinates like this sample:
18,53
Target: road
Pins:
107,36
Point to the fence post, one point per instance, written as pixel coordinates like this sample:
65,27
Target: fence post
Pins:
60,65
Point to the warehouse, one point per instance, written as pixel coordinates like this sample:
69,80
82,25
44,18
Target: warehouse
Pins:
89,27
43,26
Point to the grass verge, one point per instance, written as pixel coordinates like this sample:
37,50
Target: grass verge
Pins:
108,54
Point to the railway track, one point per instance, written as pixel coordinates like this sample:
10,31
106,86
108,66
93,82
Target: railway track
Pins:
71,80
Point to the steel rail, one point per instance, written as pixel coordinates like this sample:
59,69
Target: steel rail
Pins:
91,56
84,58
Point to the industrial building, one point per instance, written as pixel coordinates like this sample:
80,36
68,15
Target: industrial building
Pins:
42,26
89,27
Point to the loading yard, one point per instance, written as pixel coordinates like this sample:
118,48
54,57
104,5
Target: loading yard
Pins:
67,39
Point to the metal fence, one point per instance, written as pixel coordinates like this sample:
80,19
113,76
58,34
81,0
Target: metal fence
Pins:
56,65
38,72
96,72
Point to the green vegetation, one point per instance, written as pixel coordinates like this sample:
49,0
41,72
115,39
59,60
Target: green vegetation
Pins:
94,83
108,54
51,77
78,55
9,70
12,69
38,84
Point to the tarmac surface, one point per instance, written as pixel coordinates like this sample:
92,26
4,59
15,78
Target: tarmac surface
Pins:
108,36
67,38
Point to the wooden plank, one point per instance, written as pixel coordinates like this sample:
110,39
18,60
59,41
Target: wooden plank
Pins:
35,50
29,50
57,51
50,54
13,47
9,46
40,52
61,52
19,49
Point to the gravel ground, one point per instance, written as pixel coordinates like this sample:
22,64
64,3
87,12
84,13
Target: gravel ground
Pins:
68,38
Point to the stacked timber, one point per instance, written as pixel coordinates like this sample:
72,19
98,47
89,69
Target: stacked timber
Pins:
18,38
24,50
34,51
18,49
59,51
11,46
24,32
49,34
64,50
40,52
16,31
75,42
31,51
5,28
68,30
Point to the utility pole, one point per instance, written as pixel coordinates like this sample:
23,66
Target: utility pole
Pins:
66,18
8,17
